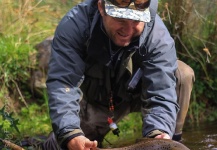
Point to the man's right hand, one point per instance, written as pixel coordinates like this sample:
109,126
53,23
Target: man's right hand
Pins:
81,143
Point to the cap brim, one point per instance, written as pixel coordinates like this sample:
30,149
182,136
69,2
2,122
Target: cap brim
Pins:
127,13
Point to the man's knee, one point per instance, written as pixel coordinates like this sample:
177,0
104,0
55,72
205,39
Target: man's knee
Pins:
184,74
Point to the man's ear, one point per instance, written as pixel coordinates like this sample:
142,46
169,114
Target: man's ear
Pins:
101,7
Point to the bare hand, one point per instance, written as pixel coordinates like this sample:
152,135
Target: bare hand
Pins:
81,143
163,136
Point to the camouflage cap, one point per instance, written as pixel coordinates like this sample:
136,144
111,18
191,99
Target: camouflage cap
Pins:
127,13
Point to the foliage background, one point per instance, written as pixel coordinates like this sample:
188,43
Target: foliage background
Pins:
24,23
192,23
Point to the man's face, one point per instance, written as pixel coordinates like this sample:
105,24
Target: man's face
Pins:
120,31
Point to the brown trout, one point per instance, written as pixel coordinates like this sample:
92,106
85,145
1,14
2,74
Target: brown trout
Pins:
152,144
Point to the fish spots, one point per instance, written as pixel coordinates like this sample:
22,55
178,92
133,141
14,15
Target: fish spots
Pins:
153,144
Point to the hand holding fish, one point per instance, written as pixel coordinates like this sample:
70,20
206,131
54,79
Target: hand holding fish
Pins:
163,136
81,143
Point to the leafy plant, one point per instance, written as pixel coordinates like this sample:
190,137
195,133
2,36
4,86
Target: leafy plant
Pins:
8,122
15,63
32,124
8,117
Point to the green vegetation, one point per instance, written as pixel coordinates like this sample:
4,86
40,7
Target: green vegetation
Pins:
24,23
193,25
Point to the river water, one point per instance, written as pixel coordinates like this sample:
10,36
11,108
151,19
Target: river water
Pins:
202,136
196,136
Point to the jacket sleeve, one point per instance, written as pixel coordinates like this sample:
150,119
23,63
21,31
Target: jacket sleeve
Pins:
66,68
159,97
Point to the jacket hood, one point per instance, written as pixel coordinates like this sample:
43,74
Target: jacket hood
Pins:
153,9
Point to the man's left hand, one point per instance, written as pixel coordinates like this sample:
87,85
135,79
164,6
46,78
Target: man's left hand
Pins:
163,136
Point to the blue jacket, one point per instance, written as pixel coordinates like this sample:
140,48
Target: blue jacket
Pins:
78,46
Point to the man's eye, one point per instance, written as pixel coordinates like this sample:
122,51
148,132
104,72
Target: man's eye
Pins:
119,19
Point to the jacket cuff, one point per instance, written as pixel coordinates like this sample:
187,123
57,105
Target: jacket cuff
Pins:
64,139
154,133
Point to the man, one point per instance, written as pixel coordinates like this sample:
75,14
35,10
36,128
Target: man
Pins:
110,58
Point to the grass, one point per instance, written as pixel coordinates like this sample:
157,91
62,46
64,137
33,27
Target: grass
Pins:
23,24
34,120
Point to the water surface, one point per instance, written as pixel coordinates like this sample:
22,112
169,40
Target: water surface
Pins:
202,136
196,136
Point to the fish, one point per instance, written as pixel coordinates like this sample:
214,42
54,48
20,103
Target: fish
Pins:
152,144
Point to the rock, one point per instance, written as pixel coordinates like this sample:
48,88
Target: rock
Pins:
39,73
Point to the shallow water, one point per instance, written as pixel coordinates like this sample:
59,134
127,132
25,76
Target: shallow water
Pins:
201,136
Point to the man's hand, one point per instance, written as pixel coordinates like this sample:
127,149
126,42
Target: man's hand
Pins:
163,136
81,143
